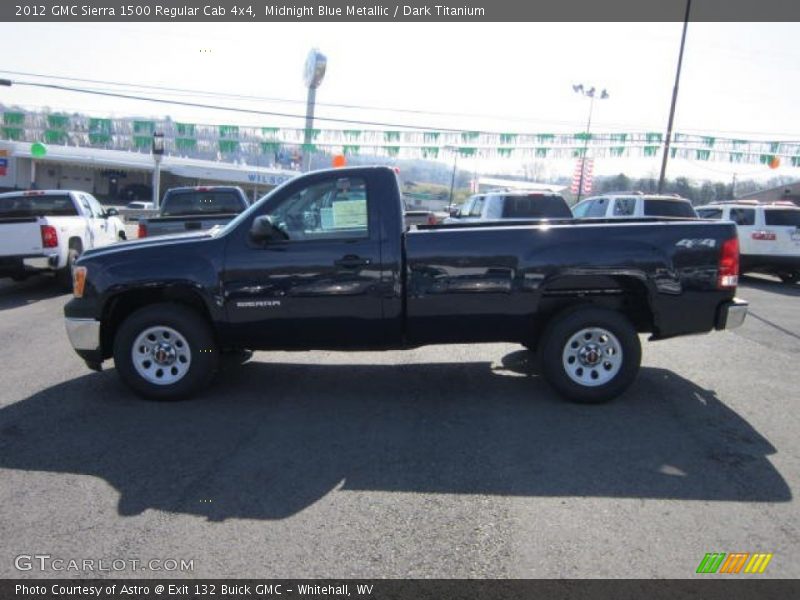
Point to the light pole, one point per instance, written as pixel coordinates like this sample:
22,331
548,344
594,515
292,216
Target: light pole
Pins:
590,93
158,152
313,74
452,181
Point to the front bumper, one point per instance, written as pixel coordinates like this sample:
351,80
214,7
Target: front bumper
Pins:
84,335
730,315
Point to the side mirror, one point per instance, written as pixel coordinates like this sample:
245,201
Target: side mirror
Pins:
112,212
263,230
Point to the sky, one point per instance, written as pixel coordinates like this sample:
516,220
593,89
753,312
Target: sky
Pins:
738,80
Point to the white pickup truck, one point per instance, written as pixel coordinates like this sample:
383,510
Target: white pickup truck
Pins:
47,230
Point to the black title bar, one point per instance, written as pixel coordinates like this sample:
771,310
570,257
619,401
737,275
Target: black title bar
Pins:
248,11
705,587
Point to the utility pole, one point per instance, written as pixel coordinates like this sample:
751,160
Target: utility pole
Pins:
674,100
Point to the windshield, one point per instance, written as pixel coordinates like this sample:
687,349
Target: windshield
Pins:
709,213
197,202
787,216
38,206
668,208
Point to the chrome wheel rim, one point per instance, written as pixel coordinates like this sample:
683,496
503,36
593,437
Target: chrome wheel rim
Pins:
161,355
592,356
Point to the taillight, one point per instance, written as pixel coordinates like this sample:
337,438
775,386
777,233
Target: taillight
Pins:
769,236
728,272
49,236
431,219
142,231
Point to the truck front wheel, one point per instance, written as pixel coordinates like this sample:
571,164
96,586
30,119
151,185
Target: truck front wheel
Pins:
590,355
165,352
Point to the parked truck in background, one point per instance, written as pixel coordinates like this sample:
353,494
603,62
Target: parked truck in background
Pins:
45,231
326,261
198,208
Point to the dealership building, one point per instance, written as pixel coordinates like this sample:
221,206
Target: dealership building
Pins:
121,176
112,158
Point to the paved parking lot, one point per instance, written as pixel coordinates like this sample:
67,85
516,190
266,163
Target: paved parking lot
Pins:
438,462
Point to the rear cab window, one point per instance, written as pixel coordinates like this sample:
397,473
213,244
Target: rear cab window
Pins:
49,205
200,202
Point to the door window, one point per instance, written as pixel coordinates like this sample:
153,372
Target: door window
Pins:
743,216
624,207
330,210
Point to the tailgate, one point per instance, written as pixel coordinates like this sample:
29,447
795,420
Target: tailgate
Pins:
20,236
169,225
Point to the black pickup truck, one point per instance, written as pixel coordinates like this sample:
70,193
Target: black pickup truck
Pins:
326,261
195,208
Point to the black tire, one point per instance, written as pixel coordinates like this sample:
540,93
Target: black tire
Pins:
789,277
121,236
64,275
204,354
553,350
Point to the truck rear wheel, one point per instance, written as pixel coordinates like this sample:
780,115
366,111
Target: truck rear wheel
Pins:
64,275
165,352
590,355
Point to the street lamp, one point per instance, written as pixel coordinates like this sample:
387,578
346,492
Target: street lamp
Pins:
157,150
590,93
313,74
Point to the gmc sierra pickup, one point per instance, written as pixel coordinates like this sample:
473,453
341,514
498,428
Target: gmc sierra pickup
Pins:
326,261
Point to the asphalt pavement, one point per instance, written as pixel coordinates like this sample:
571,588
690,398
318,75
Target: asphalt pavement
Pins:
445,461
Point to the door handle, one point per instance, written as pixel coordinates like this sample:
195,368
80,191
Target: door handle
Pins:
351,261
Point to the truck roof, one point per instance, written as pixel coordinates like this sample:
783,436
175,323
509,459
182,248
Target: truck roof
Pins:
40,193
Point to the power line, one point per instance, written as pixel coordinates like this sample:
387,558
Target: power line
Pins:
129,96
228,108
207,94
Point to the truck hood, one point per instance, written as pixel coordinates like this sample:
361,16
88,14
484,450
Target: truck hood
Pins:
160,240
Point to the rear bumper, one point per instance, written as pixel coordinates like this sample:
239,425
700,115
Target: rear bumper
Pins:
19,265
731,315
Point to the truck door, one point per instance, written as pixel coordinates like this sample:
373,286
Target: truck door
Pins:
319,285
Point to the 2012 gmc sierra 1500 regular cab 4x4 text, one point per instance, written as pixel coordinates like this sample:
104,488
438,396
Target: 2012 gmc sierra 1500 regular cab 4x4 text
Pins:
326,261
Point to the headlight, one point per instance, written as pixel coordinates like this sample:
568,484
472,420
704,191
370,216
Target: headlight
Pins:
78,281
